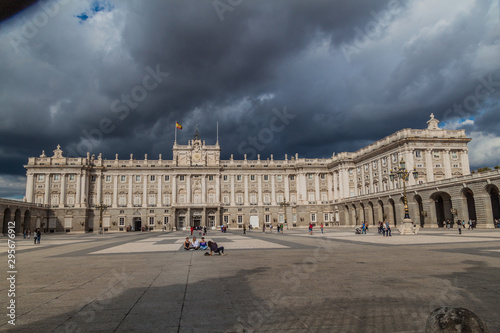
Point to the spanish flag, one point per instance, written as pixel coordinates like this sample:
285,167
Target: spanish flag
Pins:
177,125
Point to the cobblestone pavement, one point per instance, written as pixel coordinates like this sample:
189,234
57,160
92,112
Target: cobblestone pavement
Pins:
291,282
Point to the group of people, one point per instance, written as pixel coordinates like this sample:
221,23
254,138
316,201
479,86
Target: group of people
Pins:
203,245
199,229
37,234
384,228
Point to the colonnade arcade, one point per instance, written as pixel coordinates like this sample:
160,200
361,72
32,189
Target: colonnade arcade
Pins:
429,208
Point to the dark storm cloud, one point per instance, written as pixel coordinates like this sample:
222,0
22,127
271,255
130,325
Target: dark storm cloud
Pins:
93,76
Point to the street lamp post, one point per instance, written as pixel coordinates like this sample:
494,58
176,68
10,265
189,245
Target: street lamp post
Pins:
101,208
403,174
285,204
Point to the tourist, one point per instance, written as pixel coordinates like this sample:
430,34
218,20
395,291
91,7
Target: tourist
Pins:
459,225
388,229
310,228
264,228
244,229
321,227
29,234
380,227
215,249
203,244
187,244
38,236
363,228
204,231
271,228
34,236
470,225
195,244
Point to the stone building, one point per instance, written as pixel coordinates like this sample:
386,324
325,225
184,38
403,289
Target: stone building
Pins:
197,188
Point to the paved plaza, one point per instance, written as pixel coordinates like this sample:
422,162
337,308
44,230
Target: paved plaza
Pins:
291,282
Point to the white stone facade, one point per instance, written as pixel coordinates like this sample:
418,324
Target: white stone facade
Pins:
196,187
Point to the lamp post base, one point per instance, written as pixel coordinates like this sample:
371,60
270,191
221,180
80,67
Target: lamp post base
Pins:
408,228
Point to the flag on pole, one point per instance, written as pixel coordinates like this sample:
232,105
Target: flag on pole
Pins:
177,125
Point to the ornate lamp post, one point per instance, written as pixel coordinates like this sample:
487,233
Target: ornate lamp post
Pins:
101,207
403,174
285,204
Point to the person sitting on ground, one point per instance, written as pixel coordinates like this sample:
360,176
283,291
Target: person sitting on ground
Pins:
215,249
203,244
187,244
195,244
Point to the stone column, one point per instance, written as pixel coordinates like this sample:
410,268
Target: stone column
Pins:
303,187
447,164
273,190
85,189
78,189
145,192
29,187
380,176
287,187
115,191
160,190
174,189
465,162
203,193
409,166
62,198
232,190
130,191
335,185
259,184
217,189
329,182
316,187
99,188
47,189
246,191
429,167
188,189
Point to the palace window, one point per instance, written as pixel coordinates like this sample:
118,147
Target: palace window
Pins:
152,178
211,198
122,200
266,178
123,179
351,171
137,200
366,167
374,164
253,198
225,199
384,161
56,178
418,153
252,177
311,197
456,165
210,178
151,220
322,176
454,155
327,217
108,178
107,199
40,177
224,178
152,200
293,198
71,177
279,197
167,178
240,219
239,198
313,217
71,200
122,221
310,176
238,178
181,178
137,178
324,196
292,177
267,218
436,154
182,198
166,200
165,219
226,219
281,218
267,198
92,178
279,178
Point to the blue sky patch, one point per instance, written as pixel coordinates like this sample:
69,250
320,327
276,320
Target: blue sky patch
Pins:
95,7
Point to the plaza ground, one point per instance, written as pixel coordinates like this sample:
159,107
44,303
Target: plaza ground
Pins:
291,282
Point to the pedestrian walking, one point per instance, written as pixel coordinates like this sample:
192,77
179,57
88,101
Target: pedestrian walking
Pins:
38,236
459,225
388,229
244,229
321,227
310,228
363,228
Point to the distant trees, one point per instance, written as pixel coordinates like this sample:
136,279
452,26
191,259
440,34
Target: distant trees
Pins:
484,169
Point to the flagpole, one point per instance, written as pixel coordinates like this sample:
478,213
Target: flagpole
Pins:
217,132
175,140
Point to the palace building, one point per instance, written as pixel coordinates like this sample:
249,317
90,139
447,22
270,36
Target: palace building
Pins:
197,188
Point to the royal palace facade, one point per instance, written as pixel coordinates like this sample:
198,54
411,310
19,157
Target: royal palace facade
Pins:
197,188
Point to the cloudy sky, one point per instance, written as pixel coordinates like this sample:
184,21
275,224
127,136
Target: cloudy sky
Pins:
280,77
